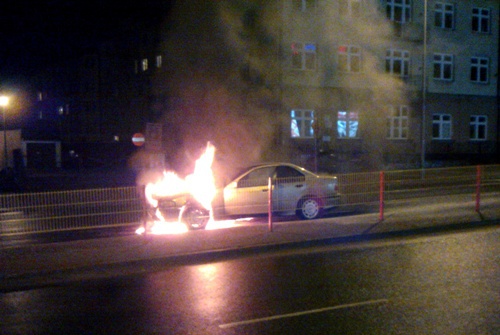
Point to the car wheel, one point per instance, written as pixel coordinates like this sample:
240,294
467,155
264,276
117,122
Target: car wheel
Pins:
309,208
195,218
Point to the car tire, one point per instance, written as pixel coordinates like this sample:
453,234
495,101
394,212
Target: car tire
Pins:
309,208
195,218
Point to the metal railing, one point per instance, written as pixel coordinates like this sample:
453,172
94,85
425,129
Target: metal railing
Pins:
404,184
69,210
29,213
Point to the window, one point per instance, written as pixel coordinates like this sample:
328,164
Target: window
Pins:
441,126
289,172
349,58
398,10
144,64
398,123
350,8
397,62
478,126
443,67
158,61
304,5
444,15
347,124
303,56
302,123
481,20
479,69
257,177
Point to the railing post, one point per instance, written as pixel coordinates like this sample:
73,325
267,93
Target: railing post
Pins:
478,187
381,200
270,204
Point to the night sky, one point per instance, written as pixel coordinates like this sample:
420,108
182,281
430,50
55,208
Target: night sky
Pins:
36,33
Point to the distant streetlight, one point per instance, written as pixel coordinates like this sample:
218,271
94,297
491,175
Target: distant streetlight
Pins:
4,101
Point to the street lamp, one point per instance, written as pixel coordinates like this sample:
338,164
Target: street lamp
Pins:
4,101
424,89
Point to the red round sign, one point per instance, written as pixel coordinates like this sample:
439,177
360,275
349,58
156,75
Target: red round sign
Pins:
138,139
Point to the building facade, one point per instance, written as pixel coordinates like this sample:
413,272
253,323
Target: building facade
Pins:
369,74
333,85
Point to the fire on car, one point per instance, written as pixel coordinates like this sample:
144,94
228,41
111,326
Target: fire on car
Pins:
195,200
190,198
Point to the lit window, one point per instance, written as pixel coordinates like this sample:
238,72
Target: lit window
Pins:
349,58
144,64
478,126
398,122
158,61
481,20
40,96
399,10
347,124
479,69
397,62
443,67
441,126
303,56
444,15
302,123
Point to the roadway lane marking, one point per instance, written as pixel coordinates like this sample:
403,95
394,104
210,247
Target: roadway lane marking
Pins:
312,311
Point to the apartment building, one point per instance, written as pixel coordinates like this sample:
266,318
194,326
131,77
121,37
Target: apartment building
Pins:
376,83
333,85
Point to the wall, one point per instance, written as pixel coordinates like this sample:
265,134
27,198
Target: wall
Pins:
13,143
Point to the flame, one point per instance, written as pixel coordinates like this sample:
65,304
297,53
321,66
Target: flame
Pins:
200,184
169,185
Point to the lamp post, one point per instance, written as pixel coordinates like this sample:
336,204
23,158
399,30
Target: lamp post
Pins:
4,101
424,88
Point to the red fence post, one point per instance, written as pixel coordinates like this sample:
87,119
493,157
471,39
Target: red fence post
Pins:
381,200
478,187
270,204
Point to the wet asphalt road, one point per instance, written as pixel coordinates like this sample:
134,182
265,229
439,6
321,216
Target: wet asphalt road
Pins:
432,284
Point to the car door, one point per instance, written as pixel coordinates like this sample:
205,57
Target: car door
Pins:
289,186
248,194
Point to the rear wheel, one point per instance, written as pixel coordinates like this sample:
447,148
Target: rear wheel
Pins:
195,218
309,208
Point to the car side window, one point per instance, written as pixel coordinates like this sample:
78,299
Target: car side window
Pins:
289,174
257,177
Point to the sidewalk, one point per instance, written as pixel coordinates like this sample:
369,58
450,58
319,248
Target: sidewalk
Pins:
47,264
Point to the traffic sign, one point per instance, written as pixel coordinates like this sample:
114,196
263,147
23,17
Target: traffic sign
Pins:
138,139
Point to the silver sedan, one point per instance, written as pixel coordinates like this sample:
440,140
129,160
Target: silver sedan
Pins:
294,190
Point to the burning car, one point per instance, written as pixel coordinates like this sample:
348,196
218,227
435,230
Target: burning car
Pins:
194,200
189,199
